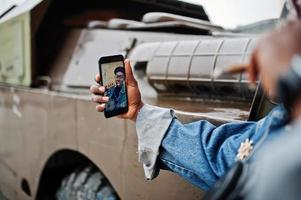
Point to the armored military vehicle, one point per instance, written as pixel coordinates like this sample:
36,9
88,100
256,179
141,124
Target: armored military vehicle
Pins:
53,144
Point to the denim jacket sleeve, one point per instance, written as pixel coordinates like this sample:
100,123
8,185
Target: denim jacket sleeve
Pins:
199,152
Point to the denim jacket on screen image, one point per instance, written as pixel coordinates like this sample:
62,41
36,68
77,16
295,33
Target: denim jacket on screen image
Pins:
199,152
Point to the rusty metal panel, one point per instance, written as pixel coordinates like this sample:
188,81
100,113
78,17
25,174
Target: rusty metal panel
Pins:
101,140
27,121
33,110
11,148
62,132
113,152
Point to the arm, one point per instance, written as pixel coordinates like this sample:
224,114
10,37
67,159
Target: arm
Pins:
199,152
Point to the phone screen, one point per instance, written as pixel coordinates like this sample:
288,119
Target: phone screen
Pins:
113,78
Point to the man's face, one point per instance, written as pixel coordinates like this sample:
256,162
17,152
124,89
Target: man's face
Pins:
119,78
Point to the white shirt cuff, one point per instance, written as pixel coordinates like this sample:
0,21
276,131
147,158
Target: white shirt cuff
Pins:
151,125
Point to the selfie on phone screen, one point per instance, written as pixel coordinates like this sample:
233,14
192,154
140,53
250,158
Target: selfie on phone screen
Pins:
113,78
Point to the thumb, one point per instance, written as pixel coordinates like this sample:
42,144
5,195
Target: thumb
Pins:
130,79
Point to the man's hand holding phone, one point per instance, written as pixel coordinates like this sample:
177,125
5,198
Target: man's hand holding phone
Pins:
134,96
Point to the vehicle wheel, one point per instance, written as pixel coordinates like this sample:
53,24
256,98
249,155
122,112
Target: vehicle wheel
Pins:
86,184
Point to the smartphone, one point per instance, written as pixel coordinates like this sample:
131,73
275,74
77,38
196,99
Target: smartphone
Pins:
112,73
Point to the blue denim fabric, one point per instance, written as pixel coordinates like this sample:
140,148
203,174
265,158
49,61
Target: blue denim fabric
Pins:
201,153
119,101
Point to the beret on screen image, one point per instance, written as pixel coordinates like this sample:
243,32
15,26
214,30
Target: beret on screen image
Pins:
119,69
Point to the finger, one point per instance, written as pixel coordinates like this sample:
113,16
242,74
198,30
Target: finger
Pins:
129,74
95,89
100,108
236,69
100,99
97,78
253,67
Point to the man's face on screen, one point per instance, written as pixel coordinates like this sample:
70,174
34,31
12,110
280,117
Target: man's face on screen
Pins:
119,78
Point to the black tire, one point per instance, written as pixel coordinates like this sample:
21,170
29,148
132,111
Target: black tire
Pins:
86,184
